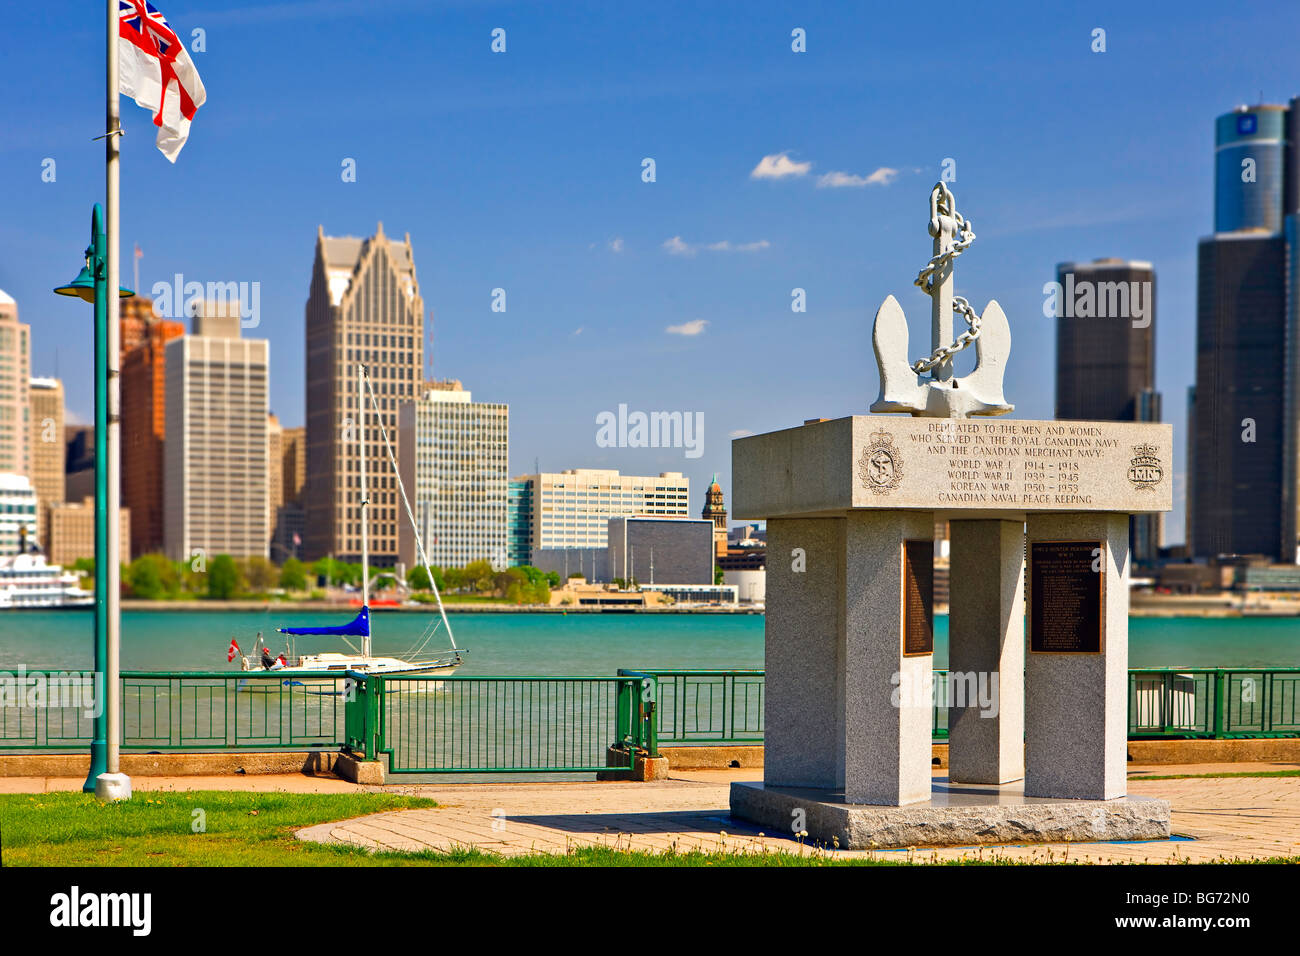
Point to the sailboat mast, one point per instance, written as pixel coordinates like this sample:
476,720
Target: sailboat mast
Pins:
365,501
410,516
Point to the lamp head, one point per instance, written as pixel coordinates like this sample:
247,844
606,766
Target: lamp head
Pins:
83,286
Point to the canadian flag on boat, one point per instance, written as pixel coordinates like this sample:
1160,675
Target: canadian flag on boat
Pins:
234,649
156,71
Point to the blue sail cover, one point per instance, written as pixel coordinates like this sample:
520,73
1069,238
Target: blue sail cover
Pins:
359,626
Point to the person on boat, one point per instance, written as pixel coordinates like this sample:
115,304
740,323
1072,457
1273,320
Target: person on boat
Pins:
267,661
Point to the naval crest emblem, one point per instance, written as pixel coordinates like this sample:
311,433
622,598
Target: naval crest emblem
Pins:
881,465
1145,471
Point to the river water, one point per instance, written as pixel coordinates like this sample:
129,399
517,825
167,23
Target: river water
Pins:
572,644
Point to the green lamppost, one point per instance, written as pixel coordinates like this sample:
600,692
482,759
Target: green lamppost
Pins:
91,285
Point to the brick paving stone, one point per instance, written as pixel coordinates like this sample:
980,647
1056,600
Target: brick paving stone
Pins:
1230,818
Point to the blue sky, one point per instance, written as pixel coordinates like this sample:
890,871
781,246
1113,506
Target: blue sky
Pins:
522,171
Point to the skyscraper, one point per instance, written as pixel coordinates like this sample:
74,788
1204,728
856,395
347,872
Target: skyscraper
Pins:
1240,369
293,445
274,474
288,527
72,531
144,419
79,465
48,451
1251,147
1106,357
571,509
15,371
364,306
453,458
136,322
1105,339
17,514
1242,492
215,475
519,521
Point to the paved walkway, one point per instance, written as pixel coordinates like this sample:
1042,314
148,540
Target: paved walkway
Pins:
1229,818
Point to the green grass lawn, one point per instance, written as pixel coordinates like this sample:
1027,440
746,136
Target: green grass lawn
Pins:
257,829
158,828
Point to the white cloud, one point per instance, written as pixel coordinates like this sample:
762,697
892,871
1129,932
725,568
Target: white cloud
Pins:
837,179
693,327
677,247
779,166
578,330
739,433
616,244
725,246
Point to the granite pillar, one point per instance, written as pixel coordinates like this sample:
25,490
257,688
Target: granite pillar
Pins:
803,709
986,652
888,718
1076,697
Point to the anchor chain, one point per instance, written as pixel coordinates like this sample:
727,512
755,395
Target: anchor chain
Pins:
942,203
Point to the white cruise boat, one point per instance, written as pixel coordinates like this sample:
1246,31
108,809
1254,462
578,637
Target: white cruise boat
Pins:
26,581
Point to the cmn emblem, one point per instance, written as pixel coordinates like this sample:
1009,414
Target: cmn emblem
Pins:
1144,470
881,467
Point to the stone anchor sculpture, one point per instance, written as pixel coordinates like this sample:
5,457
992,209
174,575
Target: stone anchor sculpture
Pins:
942,395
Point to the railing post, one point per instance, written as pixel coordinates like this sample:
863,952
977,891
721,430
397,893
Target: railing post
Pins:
624,702
284,704
649,722
1266,702
1219,694
360,716
1166,704
374,708
638,695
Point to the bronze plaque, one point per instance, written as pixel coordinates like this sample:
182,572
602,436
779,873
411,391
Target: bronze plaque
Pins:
918,598
1065,594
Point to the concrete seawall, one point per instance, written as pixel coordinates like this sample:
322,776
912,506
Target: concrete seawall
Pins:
1145,752
452,607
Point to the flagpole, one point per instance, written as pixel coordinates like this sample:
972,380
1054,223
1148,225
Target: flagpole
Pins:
113,785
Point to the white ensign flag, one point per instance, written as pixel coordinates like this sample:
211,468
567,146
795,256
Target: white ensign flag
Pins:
156,71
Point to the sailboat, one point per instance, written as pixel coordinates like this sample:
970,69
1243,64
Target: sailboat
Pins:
363,659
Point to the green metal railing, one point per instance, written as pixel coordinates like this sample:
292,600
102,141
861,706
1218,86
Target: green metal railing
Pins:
512,724
702,706
1214,702
939,726
189,712
725,707
534,724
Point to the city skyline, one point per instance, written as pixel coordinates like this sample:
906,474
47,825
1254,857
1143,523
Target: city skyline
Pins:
772,174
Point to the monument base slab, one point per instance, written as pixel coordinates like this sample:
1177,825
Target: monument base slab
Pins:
955,815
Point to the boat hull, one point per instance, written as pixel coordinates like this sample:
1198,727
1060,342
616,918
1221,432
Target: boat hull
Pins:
316,664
